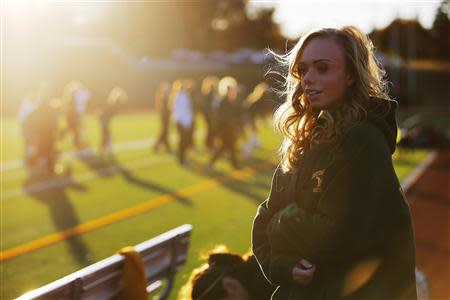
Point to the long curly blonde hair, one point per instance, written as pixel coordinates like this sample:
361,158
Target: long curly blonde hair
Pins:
301,125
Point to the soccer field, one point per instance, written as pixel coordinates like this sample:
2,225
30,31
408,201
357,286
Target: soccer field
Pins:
55,226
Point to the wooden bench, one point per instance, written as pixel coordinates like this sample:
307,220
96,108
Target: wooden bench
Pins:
162,257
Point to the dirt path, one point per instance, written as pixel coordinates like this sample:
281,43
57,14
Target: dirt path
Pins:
429,198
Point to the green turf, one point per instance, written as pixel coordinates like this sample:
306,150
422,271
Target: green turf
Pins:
222,214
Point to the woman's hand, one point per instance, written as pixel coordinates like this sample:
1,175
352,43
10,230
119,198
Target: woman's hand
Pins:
303,272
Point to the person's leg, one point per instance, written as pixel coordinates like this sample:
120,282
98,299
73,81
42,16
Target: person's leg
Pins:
217,152
165,135
108,141
213,131
166,143
158,141
233,156
76,136
84,141
161,137
51,157
187,141
104,141
231,147
181,143
48,153
190,135
209,136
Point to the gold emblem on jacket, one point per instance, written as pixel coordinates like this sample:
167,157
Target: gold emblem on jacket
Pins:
318,176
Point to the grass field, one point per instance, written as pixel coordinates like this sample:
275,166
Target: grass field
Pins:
220,212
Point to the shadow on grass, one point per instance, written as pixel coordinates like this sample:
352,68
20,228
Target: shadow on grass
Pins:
62,211
265,168
109,166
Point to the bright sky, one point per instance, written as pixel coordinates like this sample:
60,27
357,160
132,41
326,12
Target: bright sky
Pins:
297,16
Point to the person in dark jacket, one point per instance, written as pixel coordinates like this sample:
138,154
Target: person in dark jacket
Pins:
116,98
42,125
228,121
256,105
163,106
206,99
336,224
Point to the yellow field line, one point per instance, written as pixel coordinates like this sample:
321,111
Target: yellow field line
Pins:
123,214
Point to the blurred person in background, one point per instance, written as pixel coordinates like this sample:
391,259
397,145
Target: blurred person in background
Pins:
76,97
336,224
254,106
228,119
227,275
27,106
163,107
183,114
43,129
116,98
416,133
208,94
193,88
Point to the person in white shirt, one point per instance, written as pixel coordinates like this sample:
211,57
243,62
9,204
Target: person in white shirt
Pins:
184,116
76,97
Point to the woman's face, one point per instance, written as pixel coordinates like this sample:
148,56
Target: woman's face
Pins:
323,76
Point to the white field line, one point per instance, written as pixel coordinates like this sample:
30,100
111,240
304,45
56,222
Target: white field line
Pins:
120,147
87,176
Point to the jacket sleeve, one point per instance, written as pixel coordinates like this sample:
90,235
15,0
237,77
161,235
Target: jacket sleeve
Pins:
276,268
353,209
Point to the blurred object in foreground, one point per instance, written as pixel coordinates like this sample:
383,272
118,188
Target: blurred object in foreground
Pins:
416,133
423,286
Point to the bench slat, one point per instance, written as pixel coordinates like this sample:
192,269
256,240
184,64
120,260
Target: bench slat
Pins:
162,257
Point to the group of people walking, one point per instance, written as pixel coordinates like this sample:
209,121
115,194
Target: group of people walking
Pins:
228,110
225,106
40,116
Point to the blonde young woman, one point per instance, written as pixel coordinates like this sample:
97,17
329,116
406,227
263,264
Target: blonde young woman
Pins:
336,224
